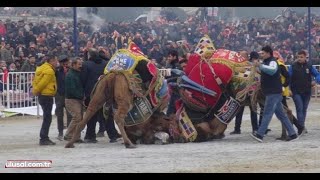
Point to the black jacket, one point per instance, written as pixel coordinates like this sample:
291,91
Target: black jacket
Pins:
271,84
301,78
60,75
91,71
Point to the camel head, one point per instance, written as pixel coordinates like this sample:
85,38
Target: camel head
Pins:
161,122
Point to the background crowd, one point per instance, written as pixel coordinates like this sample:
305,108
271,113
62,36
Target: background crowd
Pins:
22,40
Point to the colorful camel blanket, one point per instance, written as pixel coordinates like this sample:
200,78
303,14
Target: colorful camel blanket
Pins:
145,81
199,71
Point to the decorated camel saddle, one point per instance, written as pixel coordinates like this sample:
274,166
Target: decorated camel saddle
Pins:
203,89
145,81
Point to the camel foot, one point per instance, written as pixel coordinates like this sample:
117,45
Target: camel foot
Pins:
130,146
69,145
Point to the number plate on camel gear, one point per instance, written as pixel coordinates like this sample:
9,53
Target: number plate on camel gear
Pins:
140,112
228,111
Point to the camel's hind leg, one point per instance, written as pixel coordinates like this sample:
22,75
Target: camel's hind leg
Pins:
124,99
292,119
96,103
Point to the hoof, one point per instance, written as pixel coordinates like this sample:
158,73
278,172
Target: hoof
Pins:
130,146
69,146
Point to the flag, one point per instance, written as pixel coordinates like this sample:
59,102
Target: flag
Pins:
135,49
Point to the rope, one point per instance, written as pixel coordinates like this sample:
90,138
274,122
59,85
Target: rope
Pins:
242,95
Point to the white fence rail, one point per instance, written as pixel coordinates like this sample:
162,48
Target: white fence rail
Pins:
15,90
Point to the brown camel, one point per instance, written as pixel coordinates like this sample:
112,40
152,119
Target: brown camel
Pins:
113,89
214,129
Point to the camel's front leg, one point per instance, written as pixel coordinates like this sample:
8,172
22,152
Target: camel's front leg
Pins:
119,117
124,99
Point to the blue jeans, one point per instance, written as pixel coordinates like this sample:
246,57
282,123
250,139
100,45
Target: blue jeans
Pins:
301,102
272,106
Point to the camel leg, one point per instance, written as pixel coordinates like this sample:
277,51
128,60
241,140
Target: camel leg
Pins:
283,133
96,103
124,99
291,118
218,128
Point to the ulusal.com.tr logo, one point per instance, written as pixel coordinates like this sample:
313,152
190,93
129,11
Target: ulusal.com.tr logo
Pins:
28,164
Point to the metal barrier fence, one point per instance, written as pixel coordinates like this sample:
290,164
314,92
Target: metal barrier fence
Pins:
15,90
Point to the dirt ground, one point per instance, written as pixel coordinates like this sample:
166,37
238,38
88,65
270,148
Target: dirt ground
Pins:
235,153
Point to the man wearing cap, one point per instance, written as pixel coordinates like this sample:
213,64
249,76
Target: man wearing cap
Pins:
59,98
45,87
254,56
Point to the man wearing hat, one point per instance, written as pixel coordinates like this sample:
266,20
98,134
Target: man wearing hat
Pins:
59,98
254,56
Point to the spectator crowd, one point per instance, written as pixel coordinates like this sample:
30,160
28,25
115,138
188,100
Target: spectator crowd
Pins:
22,41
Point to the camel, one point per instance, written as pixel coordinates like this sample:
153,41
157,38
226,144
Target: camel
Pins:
135,92
113,89
243,86
215,85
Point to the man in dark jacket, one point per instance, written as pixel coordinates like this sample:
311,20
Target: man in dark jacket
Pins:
156,55
172,63
272,88
91,71
74,96
59,98
301,74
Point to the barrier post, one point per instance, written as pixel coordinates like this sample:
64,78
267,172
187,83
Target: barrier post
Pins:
8,93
